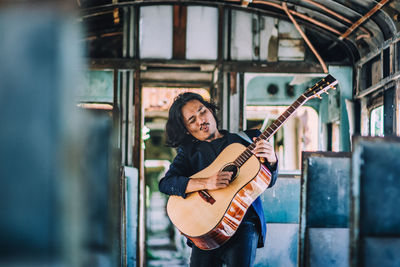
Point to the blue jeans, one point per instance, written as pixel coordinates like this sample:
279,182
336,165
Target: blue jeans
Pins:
238,251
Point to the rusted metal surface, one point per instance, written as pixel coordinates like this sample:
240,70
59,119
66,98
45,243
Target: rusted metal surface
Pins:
280,247
281,209
324,208
310,45
375,231
179,32
131,177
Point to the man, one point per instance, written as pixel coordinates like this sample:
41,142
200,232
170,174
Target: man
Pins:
192,128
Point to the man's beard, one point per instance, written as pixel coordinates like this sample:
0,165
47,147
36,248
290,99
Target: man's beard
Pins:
211,136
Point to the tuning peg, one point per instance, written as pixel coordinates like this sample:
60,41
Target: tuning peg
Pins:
333,87
326,92
320,97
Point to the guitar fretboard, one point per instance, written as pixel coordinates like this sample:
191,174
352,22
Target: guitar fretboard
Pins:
271,130
316,90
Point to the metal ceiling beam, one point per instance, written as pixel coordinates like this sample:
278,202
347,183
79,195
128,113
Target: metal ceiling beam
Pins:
363,19
337,15
302,16
310,45
358,11
333,15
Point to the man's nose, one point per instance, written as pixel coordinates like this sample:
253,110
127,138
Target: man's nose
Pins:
201,121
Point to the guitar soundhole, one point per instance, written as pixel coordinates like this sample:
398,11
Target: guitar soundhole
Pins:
231,168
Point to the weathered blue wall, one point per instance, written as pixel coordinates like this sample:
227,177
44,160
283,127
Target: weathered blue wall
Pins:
58,206
375,192
324,233
96,86
132,211
280,247
282,201
257,94
40,59
333,106
327,193
281,208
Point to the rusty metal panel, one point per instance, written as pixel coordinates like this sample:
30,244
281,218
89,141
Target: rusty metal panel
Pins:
179,32
382,252
268,31
241,35
202,32
290,45
155,32
281,208
380,158
42,211
96,86
132,212
327,192
328,247
324,208
397,59
280,247
281,202
287,30
375,194
291,49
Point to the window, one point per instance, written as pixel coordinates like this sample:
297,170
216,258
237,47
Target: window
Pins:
376,121
96,90
299,133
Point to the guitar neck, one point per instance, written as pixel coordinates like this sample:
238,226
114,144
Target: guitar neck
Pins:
274,127
271,130
315,91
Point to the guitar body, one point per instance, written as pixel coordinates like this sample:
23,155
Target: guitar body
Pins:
210,225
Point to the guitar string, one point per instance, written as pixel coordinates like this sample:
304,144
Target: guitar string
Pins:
243,157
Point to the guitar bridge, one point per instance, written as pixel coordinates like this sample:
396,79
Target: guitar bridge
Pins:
206,196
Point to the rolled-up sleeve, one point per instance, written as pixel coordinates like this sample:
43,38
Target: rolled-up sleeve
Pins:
176,179
274,172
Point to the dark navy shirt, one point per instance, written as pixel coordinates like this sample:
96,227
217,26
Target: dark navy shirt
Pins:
194,155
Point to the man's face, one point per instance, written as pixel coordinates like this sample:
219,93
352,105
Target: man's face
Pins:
199,121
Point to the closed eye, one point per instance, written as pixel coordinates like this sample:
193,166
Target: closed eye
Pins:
202,110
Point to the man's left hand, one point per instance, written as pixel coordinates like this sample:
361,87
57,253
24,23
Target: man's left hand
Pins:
265,149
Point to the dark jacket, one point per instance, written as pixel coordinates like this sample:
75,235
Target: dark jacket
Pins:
195,155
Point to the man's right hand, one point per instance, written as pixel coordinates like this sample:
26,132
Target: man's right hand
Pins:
219,180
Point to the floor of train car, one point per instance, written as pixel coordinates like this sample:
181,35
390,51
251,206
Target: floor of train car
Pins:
165,246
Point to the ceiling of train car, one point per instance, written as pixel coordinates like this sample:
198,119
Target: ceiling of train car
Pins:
361,26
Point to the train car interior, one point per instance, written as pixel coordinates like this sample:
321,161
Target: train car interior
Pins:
85,91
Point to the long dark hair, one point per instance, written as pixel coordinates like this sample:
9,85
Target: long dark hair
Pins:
175,129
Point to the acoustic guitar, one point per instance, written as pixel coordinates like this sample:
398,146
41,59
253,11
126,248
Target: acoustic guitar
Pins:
210,218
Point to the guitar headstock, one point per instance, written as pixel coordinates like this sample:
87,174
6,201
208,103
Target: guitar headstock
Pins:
321,87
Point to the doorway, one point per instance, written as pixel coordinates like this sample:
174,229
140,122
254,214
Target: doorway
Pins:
165,246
